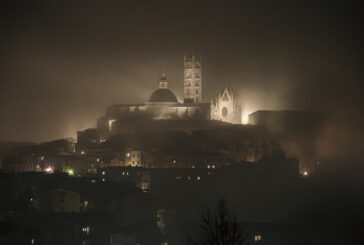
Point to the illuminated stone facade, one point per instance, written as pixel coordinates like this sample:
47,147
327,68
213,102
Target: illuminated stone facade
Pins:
163,104
192,78
225,107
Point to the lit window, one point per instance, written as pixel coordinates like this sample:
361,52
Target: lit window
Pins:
93,181
123,173
83,152
193,166
86,230
198,177
189,177
103,180
97,159
127,173
208,166
213,166
103,172
128,154
257,238
85,203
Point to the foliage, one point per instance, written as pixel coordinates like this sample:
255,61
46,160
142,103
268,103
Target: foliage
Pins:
219,228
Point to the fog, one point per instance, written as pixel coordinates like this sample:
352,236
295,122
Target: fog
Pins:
63,63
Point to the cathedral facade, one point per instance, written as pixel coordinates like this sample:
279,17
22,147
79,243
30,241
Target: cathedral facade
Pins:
163,104
224,107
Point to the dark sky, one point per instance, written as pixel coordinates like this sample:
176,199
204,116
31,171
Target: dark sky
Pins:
63,62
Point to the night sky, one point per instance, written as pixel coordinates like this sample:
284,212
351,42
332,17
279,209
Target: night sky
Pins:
64,62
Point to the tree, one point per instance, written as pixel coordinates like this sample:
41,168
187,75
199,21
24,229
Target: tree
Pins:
219,227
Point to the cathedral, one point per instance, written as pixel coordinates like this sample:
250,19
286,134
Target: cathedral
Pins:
163,105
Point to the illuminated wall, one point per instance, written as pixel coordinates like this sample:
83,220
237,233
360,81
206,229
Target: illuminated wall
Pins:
224,107
192,78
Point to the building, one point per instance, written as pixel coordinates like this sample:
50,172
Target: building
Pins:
192,89
224,107
285,121
163,104
60,200
300,128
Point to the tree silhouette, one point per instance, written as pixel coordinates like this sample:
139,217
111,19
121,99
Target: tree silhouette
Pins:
219,228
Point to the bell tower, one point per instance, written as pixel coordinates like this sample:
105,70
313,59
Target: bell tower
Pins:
192,78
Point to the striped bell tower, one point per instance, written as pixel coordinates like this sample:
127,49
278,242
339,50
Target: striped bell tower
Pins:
192,78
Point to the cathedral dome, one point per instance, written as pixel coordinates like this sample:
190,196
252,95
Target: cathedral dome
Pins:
163,95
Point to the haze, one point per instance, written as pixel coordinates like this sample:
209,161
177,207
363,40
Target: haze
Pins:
63,63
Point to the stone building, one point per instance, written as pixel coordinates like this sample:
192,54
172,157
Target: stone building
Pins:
225,107
163,104
192,78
